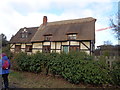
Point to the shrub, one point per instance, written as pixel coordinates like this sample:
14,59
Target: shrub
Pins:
32,63
75,67
54,63
23,61
87,72
96,73
36,63
115,73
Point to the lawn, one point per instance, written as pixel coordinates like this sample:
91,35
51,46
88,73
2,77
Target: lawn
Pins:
19,79
31,80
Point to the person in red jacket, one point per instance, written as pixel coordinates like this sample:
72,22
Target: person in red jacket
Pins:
5,71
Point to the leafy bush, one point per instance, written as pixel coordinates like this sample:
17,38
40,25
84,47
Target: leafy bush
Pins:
87,72
75,67
55,66
116,73
32,63
96,73
36,62
23,61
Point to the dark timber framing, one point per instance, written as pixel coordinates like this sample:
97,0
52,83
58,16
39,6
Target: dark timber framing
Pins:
91,43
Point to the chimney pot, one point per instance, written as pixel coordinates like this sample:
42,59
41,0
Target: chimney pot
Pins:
44,20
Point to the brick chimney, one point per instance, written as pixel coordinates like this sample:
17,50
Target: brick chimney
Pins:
44,20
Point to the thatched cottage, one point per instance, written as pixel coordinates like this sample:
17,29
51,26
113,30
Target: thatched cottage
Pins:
22,40
58,36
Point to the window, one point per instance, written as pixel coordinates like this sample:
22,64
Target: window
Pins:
28,48
46,49
47,38
24,33
71,36
17,48
65,49
74,48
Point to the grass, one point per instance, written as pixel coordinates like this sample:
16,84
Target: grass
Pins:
19,79
31,80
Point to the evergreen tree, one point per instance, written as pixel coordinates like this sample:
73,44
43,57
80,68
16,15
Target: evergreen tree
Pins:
3,39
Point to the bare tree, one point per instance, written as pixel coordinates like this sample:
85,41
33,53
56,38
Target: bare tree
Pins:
116,27
115,23
107,42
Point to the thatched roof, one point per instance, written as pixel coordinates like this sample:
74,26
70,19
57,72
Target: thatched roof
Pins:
84,27
18,36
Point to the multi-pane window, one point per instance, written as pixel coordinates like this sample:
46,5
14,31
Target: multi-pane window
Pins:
47,37
28,48
17,48
74,48
71,36
67,48
24,33
46,49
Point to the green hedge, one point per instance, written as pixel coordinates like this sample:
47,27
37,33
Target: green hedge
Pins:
75,67
115,73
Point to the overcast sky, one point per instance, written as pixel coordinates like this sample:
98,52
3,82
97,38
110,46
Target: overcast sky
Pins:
16,14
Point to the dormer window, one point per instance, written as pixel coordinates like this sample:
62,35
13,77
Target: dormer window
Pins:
24,33
71,36
47,37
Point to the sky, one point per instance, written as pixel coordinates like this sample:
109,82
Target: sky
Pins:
16,14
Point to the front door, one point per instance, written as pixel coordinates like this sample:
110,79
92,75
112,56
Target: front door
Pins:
65,49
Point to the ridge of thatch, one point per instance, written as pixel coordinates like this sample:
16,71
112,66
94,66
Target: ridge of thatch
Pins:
71,21
84,27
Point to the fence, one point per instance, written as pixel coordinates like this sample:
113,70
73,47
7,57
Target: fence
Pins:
109,59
